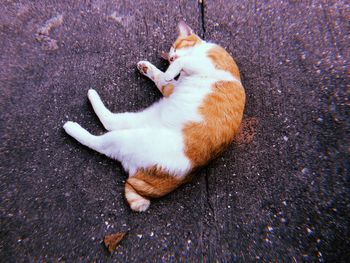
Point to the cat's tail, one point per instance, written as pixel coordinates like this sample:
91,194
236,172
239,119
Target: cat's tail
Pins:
146,184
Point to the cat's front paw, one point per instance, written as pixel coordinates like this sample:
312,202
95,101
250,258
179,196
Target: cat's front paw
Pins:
144,67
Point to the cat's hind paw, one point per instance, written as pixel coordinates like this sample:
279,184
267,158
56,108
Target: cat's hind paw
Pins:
92,92
92,95
72,128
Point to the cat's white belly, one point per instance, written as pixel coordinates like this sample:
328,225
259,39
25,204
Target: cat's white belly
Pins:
151,147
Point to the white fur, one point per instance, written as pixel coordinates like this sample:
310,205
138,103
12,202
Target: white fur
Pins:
154,136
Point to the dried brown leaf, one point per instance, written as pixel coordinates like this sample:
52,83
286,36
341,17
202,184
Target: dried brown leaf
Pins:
112,241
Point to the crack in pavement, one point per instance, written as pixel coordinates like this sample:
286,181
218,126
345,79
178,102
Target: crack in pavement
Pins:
203,31
205,236
201,6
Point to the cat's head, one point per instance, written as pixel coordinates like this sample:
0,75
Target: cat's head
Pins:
184,43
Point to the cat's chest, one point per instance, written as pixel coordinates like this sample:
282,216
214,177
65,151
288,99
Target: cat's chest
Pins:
184,104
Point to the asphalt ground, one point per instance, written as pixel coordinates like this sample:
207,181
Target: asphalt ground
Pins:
279,193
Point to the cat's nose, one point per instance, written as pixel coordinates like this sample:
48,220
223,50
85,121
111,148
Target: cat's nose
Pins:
172,59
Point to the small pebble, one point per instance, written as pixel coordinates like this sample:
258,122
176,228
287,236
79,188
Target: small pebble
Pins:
305,170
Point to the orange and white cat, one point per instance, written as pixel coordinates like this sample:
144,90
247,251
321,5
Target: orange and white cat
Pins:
161,146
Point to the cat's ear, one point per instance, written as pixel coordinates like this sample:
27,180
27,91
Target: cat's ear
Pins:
184,29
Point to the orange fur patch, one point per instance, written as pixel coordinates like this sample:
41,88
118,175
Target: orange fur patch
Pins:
222,60
189,41
151,183
222,111
167,90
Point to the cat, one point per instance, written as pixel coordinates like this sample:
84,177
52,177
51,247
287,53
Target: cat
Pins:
163,145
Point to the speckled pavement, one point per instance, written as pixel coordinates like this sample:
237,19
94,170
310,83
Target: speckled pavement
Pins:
282,195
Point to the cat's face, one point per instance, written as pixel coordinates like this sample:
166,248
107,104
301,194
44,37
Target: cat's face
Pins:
184,43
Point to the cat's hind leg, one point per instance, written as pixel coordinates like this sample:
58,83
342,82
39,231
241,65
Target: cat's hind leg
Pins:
117,121
107,144
100,109
82,135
